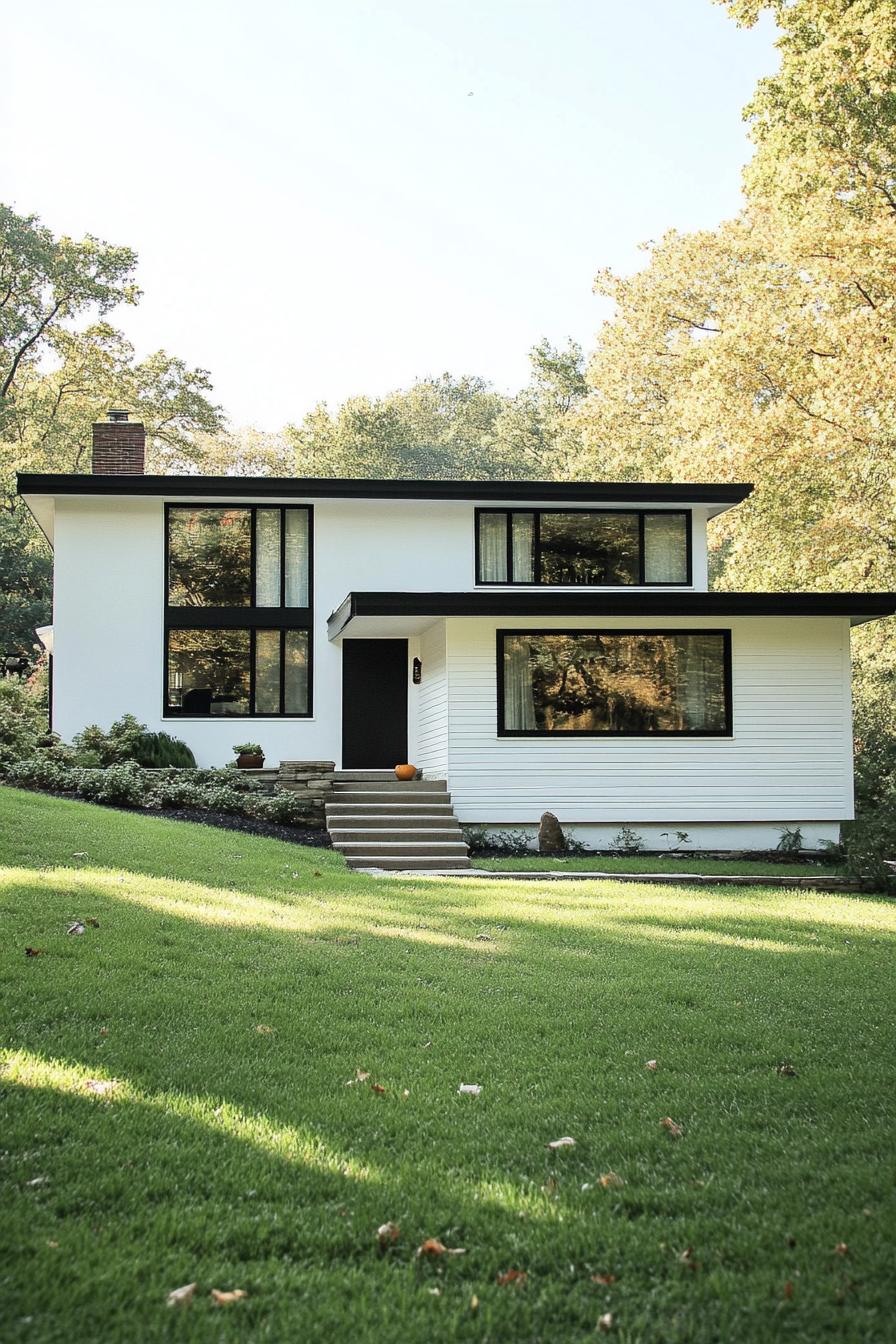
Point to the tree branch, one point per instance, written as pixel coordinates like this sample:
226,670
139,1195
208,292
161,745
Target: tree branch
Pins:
23,350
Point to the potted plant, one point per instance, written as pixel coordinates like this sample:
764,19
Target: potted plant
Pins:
249,755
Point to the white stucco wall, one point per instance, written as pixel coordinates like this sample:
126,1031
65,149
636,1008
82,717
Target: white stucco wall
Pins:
789,761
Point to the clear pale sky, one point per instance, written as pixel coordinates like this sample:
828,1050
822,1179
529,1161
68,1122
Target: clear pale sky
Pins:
321,208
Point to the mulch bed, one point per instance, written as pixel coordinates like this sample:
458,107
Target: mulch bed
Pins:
318,838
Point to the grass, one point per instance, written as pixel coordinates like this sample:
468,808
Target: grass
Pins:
240,1158
664,863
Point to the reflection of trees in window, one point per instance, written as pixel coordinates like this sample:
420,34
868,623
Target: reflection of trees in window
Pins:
595,548
208,671
209,557
615,682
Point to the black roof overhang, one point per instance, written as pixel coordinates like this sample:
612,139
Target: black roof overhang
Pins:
858,607
297,487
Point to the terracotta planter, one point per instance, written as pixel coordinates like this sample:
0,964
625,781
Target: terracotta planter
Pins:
249,761
406,772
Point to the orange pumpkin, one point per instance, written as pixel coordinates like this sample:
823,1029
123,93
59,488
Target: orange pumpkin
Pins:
405,772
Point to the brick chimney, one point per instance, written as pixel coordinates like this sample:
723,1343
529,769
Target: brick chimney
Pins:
119,446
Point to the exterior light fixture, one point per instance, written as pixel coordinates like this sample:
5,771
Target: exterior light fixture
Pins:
417,674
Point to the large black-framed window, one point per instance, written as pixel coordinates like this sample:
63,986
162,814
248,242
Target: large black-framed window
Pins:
238,610
584,547
619,683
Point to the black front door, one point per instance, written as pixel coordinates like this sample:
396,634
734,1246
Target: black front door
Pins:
374,703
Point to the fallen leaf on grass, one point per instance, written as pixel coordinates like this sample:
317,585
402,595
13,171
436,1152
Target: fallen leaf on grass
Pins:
387,1234
565,1142
34,951
81,854
651,1064
38,1180
104,1031
53,1245
605,1323
674,1131
263,1030
405,1094
317,872
610,1181
841,1248
181,1296
687,1258
77,927
788,1290
94,923
786,1070
360,1077
101,1086
378,1089
432,1246
484,938
474,1304
517,1276
605,1279
470,1089
222,1299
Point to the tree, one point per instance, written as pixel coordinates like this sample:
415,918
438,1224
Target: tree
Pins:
765,350
62,365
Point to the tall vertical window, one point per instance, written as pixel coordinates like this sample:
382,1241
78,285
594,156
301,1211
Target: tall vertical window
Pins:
238,613
583,547
614,682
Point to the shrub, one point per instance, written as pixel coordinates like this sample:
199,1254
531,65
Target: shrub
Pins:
22,721
113,745
283,807
124,785
156,750
41,772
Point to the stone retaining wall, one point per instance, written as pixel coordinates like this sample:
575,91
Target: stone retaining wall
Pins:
313,782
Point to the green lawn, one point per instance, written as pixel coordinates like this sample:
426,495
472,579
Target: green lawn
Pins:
677,863
239,1158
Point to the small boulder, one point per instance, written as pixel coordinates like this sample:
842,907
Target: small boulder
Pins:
551,839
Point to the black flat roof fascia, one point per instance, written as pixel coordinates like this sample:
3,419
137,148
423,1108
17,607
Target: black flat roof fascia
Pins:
864,606
200,487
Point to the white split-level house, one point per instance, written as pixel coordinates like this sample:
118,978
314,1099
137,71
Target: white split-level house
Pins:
537,645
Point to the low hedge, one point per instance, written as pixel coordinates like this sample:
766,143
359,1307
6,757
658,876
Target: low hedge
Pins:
224,791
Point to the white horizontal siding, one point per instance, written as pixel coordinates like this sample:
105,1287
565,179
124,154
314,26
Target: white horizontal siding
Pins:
432,704
790,757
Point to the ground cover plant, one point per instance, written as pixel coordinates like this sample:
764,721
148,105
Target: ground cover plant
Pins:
248,1063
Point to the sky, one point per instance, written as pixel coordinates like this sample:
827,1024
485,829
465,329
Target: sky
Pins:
332,197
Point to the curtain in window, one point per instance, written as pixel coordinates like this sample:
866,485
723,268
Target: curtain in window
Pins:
267,672
519,703
701,681
267,558
665,548
523,532
493,548
297,558
295,670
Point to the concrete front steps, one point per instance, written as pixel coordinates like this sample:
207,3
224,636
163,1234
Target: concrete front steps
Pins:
377,821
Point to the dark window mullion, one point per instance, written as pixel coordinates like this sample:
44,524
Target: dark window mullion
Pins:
252,656
536,546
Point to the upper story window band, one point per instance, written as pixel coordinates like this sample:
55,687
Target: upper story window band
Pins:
583,547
